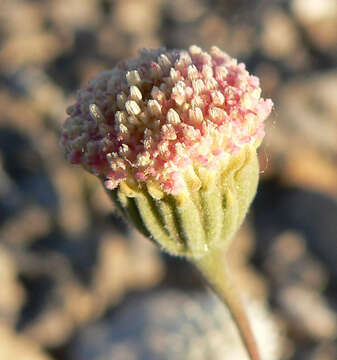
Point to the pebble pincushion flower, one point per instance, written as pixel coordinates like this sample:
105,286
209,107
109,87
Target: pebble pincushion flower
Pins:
173,136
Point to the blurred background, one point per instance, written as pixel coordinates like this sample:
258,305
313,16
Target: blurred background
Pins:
75,282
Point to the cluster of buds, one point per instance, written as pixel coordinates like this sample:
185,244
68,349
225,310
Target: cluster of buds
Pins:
173,135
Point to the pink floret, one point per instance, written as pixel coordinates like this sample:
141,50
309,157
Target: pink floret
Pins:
152,117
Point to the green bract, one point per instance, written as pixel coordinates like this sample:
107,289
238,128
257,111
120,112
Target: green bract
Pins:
198,220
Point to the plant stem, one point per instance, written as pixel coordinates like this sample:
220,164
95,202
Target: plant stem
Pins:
215,270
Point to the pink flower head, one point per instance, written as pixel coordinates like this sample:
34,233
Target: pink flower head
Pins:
152,118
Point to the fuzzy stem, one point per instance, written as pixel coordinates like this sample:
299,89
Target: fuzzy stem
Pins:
215,270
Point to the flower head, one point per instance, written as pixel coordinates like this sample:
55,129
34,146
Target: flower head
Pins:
154,118
173,136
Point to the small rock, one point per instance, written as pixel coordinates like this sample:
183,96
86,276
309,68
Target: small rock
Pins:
15,347
171,324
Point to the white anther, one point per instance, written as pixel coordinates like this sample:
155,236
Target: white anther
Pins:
196,115
143,159
211,84
157,94
123,129
198,86
174,75
156,71
154,107
207,71
132,107
221,72
121,99
173,117
194,50
216,52
178,93
135,93
164,61
123,149
217,97
184,59
169,132
197,101
192,72
133,77
217,115
96,113
121,117
163,147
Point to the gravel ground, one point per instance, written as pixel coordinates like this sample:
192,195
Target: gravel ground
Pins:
75,282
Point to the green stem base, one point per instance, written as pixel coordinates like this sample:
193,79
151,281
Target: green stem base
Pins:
215,270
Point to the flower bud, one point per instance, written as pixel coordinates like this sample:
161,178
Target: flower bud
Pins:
173,135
